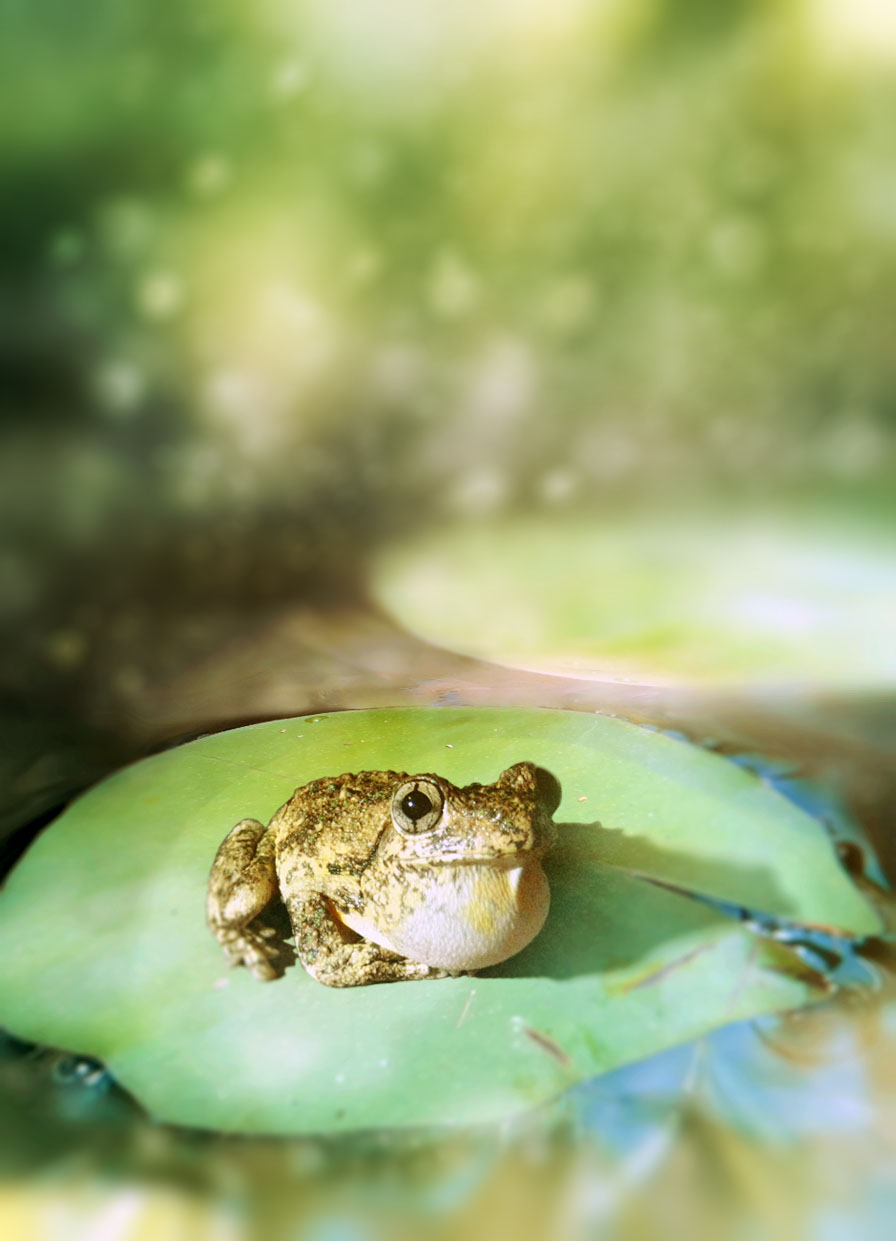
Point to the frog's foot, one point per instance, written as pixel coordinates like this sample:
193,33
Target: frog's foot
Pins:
253,947
359,964
241,885
336,961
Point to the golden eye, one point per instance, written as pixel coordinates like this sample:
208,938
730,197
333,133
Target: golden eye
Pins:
417,807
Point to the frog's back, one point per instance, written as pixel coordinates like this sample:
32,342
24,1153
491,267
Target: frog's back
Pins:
331,826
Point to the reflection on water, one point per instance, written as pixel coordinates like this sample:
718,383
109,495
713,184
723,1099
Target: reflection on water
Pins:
782,1123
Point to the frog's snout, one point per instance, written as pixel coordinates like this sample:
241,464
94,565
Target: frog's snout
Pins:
532,839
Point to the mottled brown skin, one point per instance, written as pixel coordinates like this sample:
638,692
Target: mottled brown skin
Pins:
379,891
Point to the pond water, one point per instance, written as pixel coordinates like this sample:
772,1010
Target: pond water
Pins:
783,1123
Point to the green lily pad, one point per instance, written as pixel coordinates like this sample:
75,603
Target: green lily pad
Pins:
676,599
107,953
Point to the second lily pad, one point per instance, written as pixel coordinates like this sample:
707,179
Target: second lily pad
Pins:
705,597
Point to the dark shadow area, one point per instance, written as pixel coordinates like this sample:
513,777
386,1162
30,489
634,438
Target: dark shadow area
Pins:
752,887
276,917
548,790
605,918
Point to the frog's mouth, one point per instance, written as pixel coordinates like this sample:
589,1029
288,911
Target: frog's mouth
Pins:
496,861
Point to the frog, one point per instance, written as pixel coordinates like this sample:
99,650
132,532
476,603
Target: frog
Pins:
389,877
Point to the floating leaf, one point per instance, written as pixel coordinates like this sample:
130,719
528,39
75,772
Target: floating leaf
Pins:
675,599
107,952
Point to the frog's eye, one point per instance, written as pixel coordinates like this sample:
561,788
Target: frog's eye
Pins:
417,807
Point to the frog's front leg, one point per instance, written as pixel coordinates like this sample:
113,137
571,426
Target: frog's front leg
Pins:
242,883
330,958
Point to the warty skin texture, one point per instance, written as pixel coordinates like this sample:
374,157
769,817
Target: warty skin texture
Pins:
388,877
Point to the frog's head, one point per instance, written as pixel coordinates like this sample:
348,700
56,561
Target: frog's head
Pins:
500,824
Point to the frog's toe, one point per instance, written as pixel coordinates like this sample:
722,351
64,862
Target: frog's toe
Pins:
253,949
263,970
419,969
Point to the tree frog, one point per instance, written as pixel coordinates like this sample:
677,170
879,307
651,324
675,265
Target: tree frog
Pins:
388,876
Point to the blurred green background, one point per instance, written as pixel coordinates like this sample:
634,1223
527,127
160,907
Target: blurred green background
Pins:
285,283
282,281
386,256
